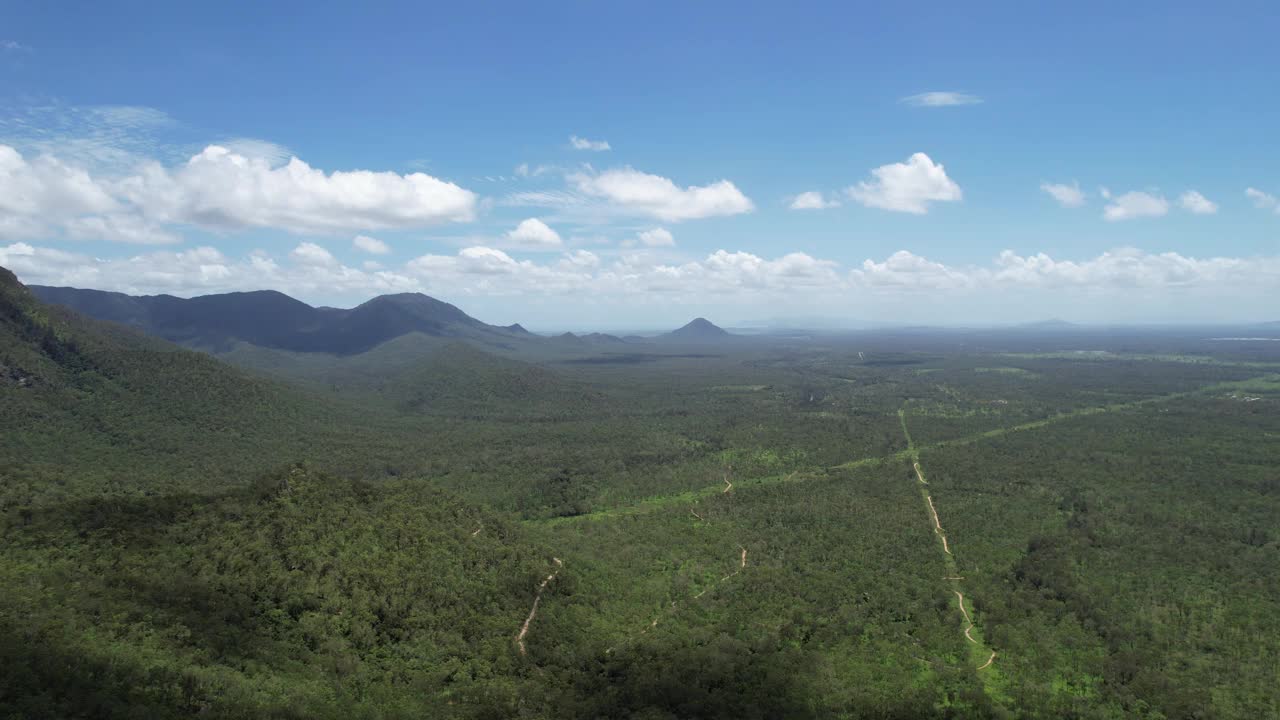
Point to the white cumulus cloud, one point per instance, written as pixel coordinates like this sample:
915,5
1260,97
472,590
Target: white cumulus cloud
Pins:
1066,195
812,200
1192,201
220,188
217,188
312,254
533,234
46,187
941,99
273,153
906,187
908,271
525,170
631,191
486,261
119,227
579,143
371,245
746,270
1135,204
46,197
656,237
1262,200
1129,268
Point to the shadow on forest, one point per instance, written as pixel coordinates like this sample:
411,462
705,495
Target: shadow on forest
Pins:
44,678
700,673
715,668
707,673
121,545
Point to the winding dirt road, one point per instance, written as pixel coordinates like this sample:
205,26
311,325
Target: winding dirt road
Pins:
990,660
960,597
937,525
967,619
533,612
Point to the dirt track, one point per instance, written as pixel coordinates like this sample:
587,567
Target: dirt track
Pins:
533,612
990,660
937,529
960,597
741,567
937,524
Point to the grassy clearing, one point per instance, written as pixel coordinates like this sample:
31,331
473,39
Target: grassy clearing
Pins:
1013,371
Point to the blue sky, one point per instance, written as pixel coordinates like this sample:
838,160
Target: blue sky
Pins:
716,117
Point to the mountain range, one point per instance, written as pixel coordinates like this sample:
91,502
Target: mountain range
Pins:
271,319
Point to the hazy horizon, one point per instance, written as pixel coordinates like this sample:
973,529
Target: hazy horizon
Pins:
508,313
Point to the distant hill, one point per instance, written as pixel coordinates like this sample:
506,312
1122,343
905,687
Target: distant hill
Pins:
274,320
1050,324
569,338
698,329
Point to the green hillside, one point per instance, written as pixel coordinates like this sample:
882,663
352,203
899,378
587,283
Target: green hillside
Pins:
95,407
301,596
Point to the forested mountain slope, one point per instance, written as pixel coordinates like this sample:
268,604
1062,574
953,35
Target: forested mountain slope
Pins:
94,408
99,406
271,319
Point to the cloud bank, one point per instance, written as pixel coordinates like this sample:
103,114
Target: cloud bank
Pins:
310,270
